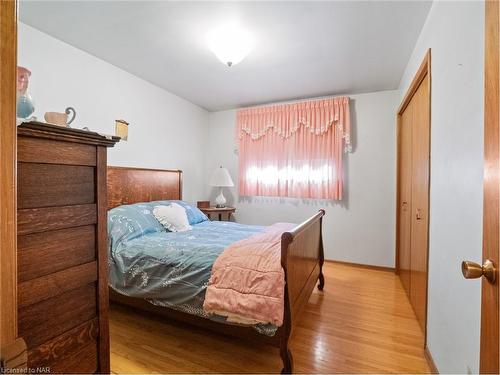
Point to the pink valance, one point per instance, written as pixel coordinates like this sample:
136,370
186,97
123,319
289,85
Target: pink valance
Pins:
318,116
293,150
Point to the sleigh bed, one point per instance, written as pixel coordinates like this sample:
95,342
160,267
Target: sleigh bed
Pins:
301,259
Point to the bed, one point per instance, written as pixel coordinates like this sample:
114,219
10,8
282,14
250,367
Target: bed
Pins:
301,259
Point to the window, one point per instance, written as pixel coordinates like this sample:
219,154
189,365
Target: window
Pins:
293,150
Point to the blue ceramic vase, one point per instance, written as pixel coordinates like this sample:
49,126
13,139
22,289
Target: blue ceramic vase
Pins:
25,105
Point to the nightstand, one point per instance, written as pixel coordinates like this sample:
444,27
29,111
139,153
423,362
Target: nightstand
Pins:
224,212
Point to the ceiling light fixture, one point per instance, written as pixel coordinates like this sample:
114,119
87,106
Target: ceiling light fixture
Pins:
230,43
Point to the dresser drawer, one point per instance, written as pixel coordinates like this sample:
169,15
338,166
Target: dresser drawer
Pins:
65,346
35,220
50,318
51,151
81,361
40,254
45,287
49,185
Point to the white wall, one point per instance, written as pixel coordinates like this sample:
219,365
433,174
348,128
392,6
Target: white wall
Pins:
165,131
455,32
168,132
360,229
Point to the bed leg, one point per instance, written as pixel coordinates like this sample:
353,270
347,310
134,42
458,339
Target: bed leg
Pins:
286,357
285,331
321,279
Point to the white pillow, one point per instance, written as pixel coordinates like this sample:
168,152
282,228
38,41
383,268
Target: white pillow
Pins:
173,217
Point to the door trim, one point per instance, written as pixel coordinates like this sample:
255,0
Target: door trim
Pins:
12,349
490,294
8,52
423,71
430,361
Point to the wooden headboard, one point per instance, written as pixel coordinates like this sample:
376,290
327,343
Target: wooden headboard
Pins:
133,185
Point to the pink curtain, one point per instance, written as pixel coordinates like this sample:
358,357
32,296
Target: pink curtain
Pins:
293,150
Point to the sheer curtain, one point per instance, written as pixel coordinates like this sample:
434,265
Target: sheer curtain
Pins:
293,150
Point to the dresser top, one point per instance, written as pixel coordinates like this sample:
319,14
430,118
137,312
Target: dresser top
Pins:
43,130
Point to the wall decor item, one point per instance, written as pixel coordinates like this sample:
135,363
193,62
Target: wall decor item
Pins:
25,104
121,129
59,118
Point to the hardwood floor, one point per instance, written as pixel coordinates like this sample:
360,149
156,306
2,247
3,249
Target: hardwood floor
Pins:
361,323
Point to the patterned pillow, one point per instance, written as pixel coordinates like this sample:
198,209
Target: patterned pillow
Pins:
134,220
173,217
131,221
195,216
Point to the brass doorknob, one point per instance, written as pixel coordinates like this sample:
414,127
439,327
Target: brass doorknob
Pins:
472,270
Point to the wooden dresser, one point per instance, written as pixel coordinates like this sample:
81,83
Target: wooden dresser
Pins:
62,248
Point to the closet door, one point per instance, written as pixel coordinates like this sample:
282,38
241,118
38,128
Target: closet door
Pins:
420,200
413,190
404,201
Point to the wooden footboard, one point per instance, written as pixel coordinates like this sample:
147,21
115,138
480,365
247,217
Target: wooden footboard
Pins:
302,260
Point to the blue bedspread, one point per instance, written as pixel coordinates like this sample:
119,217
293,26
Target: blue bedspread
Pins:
173,269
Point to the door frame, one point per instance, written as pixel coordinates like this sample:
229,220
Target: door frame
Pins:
423,71
13,353
490,293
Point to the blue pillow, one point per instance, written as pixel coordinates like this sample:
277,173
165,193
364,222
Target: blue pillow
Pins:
131,221
194,215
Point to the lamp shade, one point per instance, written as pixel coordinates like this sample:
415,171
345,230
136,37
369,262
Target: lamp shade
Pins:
221,178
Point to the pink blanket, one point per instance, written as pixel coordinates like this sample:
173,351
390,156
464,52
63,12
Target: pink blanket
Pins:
247,282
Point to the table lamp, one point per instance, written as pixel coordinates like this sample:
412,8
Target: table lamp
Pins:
221,178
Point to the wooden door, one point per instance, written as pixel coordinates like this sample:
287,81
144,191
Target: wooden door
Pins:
420,201
490,331
12,348
404,196
413,190
490,291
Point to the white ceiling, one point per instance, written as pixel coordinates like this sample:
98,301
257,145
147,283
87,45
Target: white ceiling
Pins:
303,49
